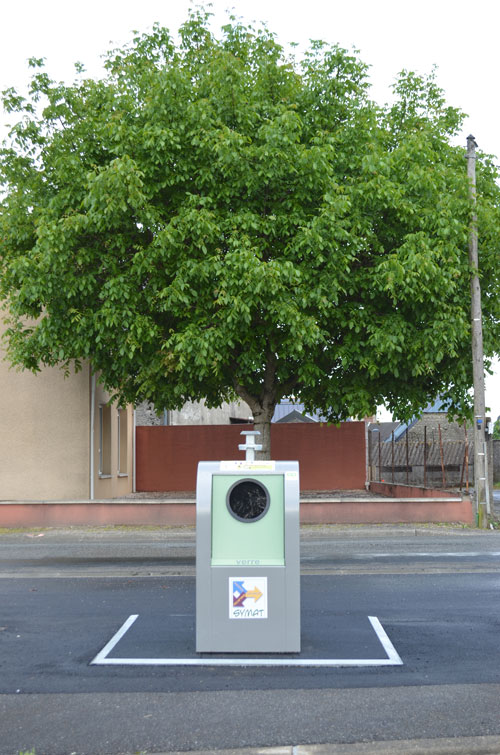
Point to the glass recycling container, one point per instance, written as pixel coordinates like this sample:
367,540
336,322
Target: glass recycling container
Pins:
247,556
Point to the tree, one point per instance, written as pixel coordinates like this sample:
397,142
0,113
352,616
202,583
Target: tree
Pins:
496,429
218,218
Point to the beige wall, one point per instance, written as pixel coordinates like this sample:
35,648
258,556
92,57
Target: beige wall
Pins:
45,437
116,478
44,434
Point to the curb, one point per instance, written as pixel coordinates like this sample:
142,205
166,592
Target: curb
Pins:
485,745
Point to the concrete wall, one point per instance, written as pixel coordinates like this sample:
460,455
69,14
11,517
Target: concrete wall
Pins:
146,415
338,510
409,491
192,413
330,458
44,434
391,510
433,421
197,413
496,460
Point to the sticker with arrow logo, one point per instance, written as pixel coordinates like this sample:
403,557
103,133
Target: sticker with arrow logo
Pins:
248,597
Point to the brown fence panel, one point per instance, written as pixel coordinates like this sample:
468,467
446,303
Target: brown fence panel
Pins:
414,462
330,458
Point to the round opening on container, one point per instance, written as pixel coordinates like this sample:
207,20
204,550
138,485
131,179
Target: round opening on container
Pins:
247,500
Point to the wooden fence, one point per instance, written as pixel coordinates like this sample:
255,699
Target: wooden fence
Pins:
431,463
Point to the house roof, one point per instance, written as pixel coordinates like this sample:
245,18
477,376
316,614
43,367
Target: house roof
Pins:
385,428
286,407
435,408
294,416
404,427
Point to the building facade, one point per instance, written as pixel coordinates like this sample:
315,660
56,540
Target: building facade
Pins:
60,439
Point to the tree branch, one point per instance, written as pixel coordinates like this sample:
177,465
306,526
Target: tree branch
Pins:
244,394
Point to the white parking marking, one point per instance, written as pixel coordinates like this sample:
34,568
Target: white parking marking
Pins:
102,656
389,648
409,554
393,658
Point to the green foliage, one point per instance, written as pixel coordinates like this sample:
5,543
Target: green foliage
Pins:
216,218
496,429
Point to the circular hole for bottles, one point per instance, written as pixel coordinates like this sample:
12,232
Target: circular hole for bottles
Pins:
247,500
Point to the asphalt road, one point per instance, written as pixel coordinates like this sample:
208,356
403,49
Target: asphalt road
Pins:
63,595
171,552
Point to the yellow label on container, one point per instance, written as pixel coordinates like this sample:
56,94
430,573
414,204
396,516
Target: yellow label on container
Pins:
247,466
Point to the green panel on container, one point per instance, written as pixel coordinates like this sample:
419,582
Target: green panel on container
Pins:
249,543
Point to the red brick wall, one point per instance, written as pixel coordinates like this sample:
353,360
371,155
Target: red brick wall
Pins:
330,458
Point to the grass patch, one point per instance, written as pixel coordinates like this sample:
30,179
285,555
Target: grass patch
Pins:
20,531
95,528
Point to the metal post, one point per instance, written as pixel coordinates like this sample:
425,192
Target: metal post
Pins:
477,345
134,453
462,470
407,460
442,456
466,461
392,457
250,447
93,381
379,458
488,503
425,456
370,471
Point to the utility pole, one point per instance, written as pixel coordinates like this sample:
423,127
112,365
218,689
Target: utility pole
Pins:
477,347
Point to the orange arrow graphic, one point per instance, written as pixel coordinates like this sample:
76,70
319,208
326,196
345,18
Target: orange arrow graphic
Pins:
255,594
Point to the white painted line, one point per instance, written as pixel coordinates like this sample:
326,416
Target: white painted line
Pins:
430,554
101,657
242,662
393,658
389,648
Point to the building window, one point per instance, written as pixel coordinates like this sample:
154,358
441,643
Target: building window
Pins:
122,442
105,441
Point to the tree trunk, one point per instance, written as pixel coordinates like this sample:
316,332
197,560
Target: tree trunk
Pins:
262,422
262,405
262,409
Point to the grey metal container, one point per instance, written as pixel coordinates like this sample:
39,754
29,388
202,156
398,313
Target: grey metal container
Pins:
247,557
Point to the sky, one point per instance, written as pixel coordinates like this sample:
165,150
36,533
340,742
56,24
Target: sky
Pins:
460,38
